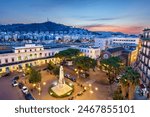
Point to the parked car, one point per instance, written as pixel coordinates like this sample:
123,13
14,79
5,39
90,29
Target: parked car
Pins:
23,75
25,90
5,74
67,76
73,79
20,85
29,97
16,78
14,83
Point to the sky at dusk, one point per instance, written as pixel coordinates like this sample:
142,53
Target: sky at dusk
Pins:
128,16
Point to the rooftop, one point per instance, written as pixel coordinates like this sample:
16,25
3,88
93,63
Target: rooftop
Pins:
146,29
5,51
112,50
28,46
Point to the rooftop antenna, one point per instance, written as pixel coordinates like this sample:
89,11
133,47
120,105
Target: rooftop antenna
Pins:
47,19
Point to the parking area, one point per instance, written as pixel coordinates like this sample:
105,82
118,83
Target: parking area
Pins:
99,88
7,91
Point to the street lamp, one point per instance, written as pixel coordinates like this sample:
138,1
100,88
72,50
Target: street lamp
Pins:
44,83
39,89
91,91
96,88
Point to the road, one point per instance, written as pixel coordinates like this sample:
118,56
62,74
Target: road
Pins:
7,91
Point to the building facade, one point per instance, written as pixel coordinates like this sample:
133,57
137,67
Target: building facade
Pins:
128,43
29,55
144,58
92,52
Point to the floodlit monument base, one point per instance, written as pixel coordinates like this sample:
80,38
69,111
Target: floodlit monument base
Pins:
62,90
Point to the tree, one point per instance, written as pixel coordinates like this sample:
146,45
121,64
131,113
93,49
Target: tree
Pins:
124,85
131,80
112,66
50,66
84,63
34,76
68,54
117,95
56,71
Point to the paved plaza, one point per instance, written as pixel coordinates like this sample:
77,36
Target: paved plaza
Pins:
95,87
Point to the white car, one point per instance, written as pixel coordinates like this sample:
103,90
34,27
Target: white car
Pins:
14,83
24,90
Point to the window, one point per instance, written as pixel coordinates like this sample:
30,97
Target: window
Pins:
45,54
40,54
0,61
25,50
30,50
6,60
12,59
35,55
30,55
19,58
18,51
0,70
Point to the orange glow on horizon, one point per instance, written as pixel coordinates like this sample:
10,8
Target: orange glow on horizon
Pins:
127,29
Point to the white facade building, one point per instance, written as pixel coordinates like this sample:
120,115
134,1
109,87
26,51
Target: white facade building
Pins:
103,43
125,42
28,55
92,52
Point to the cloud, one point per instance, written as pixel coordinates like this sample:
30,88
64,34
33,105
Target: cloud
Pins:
105,19
114,28
90,18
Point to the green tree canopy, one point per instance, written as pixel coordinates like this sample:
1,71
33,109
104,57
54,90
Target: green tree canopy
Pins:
130,79
112,66
34,76
68,54
84,63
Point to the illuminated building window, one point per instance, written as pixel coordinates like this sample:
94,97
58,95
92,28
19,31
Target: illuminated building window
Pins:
35,55
19,58
30,55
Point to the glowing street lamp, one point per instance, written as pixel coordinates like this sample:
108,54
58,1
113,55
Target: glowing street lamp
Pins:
91,92
90,85
44,83
34,85
96,88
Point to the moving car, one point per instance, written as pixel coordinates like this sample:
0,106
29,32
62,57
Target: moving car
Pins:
25,90
29,97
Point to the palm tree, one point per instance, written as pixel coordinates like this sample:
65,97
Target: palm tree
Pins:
128,82
124,85
133,82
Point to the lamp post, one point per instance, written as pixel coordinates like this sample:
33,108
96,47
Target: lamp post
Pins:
39,89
